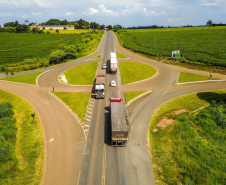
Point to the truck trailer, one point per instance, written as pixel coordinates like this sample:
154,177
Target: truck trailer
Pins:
119,127
99,85
113,62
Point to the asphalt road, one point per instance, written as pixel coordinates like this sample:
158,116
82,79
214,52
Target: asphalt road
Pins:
75,157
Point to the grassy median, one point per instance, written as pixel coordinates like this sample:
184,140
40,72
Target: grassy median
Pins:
82,75
189,77
187,139
131,95
134,71
28,78
77,102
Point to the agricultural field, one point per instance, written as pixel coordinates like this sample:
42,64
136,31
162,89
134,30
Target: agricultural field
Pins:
197,44
26,51
67,31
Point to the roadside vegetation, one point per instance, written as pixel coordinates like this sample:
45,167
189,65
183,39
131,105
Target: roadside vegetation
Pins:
131,95
97,57
82,75
28,78
32,51
187,139
199,45
121,55
77,102
189,77
21,142
134,71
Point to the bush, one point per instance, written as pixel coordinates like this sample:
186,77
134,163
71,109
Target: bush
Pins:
57,56
6,110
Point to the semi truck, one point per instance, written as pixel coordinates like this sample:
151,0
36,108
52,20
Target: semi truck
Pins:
113,62
99,85
119,127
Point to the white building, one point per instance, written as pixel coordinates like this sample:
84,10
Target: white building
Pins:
53,27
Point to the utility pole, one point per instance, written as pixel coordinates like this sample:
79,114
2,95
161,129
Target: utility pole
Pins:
155,34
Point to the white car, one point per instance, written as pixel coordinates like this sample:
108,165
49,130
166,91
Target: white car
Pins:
104,66
113,83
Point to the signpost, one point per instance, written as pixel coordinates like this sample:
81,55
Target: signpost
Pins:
176,54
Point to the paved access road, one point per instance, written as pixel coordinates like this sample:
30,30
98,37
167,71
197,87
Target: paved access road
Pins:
74,156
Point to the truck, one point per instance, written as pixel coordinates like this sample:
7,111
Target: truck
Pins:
113,62
119,127
99,85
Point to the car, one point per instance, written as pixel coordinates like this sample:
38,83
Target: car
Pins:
113,83
104,66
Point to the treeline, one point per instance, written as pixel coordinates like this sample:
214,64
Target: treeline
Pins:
80,24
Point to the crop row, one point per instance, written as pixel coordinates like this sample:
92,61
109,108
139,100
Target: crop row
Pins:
206,46
16,47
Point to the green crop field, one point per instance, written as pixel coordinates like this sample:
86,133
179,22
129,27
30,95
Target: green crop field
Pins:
197,44
16,49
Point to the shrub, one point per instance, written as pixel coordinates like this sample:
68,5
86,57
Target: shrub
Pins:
6,110
57,56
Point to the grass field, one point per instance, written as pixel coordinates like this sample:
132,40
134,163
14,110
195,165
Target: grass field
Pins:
131,95
82,75
24,164
133,71
28,78
31,51
121,55
77,102
197,44
189,77
187,140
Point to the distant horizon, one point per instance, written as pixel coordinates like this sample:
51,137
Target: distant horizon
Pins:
127,13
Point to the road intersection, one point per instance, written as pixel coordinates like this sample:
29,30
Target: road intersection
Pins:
79,153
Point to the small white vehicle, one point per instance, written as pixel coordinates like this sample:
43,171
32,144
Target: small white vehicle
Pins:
104,66
113,83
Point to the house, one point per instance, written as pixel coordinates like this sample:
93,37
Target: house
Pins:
53,27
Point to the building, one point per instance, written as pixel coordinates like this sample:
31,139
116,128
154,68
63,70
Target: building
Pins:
53,27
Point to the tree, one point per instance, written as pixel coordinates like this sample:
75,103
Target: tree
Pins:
109,26
83,24
117,26
26,21
102,26
21,28
53,22
57,56
209,23
94,25
64,22
9,24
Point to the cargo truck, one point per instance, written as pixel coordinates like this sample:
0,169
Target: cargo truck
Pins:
119,127
113,62
99,85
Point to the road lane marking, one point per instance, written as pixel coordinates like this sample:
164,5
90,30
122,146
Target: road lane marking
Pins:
126,157
37,79
51,140
104,166
78,177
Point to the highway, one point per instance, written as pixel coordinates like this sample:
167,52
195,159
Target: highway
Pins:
76,157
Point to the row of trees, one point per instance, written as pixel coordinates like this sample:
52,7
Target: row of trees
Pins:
19,28
80,24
